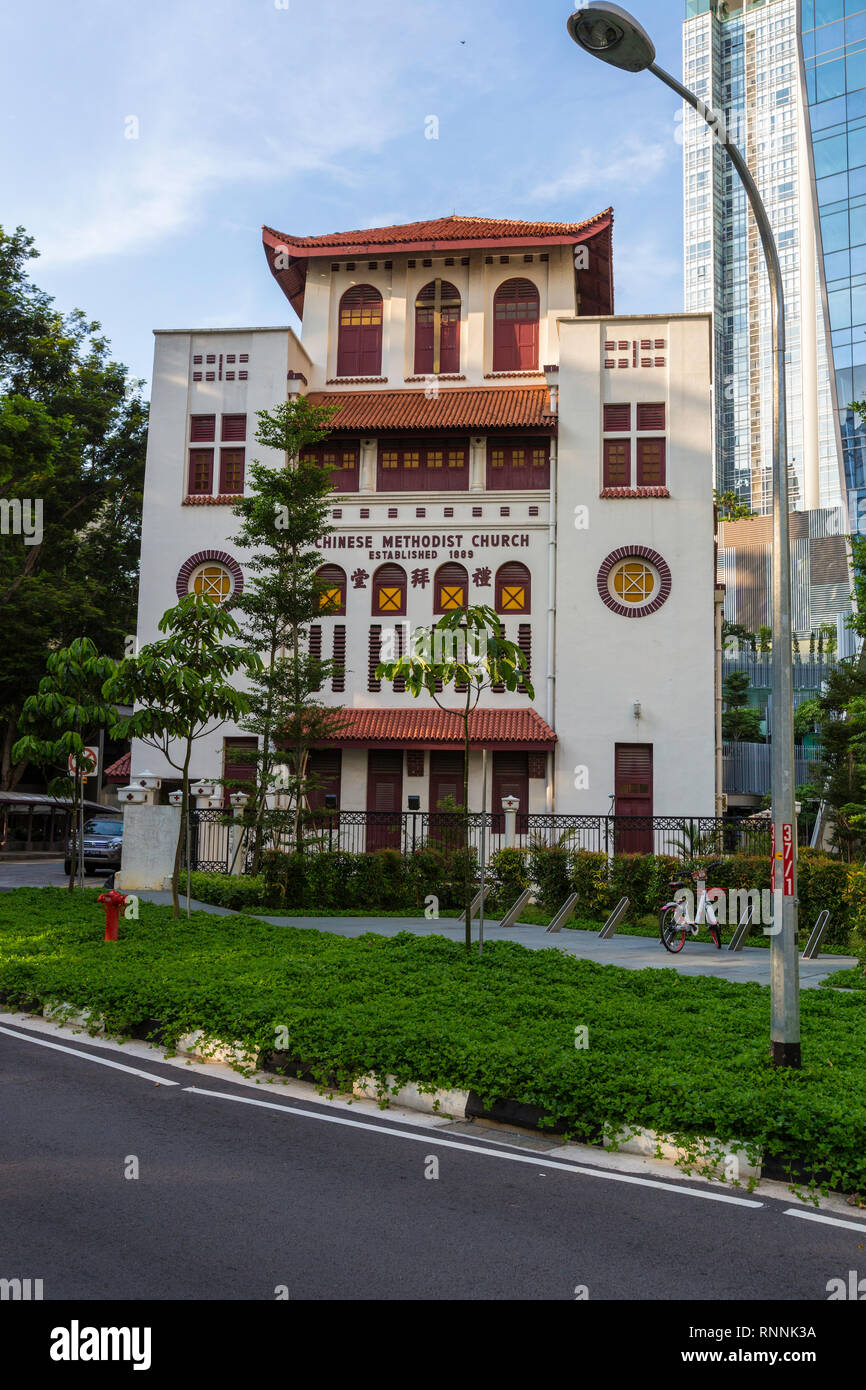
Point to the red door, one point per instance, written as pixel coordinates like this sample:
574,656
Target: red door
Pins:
384,798
510,778
633,784
446,780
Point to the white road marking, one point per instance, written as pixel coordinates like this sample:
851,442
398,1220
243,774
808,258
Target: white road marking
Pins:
85,1056
434,1139
826,1220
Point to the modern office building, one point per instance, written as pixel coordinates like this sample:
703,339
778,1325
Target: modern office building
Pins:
743,59
834,64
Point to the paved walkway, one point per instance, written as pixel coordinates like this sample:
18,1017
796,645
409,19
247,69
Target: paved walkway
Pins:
630,952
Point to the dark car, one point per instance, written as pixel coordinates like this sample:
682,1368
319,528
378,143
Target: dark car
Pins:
103,842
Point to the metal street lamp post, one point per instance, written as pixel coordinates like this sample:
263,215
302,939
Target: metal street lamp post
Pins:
612,34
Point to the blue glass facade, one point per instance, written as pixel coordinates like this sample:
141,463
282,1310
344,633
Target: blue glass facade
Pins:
834,52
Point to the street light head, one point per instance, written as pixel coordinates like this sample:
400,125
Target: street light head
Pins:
612,34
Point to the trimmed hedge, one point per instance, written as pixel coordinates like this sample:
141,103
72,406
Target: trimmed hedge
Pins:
387,879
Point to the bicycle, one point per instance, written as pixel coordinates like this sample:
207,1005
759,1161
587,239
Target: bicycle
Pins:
674,921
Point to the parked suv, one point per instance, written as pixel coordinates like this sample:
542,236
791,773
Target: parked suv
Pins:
103,841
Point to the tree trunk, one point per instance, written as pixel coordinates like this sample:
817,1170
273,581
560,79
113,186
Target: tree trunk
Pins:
467,883
178,853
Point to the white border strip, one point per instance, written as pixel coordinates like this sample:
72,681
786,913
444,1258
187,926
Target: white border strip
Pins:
102,1061
826,1220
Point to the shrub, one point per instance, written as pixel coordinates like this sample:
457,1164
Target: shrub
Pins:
227,890
549,870
508,873
589,878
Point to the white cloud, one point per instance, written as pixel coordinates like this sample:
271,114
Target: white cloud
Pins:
632,168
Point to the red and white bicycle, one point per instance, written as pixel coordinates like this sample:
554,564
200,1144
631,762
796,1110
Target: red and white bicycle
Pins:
676,922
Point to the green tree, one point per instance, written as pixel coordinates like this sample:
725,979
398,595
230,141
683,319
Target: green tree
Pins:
183,687
281,523
765,638
731,507
465,649
55,722
740,723
72,445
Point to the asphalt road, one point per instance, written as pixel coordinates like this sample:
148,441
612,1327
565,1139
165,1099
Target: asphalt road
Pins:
243,1189
34,873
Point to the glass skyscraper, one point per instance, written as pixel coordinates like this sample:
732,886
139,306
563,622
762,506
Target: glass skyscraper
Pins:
743,59
834,60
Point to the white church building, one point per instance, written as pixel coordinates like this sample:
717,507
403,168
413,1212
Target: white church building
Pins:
502,438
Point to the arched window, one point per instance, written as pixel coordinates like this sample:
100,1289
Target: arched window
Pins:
437,330
516,311
450,589
513,588
359,346
331,580
389,591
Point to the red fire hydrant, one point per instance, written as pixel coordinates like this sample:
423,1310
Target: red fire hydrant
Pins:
114,901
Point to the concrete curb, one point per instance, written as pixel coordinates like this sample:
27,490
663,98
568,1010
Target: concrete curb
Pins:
708,1156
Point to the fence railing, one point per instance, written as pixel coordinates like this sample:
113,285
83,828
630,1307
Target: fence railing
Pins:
358,832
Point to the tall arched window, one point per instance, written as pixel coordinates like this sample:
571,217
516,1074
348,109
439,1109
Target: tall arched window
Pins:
450,589
331,583
516,311
389,591
359,346
437,330
513,588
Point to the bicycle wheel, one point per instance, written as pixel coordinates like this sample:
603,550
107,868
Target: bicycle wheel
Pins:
716,934
672,932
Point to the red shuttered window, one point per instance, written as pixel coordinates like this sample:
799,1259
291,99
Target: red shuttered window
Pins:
516,312
231,472
650,417
617,463
518,463
450,589
359,345
234,427
389,591
202,428
651,463
437,329
617,418
331,584
201,471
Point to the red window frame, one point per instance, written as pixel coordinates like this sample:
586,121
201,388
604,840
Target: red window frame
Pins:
516,317
233,428
232,465
359,333
389,577
511,575
346,469
651,462
425,327
412,465
512,464
202,429
617,418
450,576
333,577
651,416
200,478
617,463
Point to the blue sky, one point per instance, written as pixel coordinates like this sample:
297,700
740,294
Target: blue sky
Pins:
309,115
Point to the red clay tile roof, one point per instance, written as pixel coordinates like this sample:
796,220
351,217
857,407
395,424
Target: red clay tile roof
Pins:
437,234
119,771
458,234
457,408
431,727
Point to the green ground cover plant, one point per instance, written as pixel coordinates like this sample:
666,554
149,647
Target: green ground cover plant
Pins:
686,1056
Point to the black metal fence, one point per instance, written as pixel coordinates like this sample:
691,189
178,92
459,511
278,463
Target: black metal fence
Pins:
358,832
